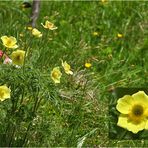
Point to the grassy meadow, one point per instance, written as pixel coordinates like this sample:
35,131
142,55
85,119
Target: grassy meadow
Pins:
106,45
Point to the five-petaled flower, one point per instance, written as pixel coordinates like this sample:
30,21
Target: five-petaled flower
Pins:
56,74
4,92
134,112
49,25
18,57
67,68
36,32
9,42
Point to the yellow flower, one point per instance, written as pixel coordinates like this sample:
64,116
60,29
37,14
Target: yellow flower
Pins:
56,74
49,25
21,34
29,28
36,32
87,65
9,42
104,1
67,68
4,92
18,57
95,33
119,35
134,112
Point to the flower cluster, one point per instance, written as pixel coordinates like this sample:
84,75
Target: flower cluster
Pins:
16,57
48,25
56,73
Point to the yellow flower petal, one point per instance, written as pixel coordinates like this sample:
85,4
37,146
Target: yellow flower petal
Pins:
124,104
146,125
4,92
36,33
141,97
4,39
122,121
13,40
67,68
136,127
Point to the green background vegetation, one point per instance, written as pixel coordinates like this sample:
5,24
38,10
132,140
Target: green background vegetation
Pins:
74,112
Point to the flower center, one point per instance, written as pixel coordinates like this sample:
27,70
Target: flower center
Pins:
18,58
55,74
137,110
9,42
49,25
137,113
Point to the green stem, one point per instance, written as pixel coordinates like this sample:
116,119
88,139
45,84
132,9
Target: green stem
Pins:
25,137
26,56
24,62
36,105
13,132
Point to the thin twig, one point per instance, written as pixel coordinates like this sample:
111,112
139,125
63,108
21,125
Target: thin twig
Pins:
35,12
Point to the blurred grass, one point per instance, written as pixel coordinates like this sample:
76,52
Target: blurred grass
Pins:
80,116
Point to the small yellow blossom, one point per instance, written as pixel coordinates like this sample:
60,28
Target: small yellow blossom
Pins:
67,68
56,74
104,1
36,32
18,57
9,42
21,34
134,112
49,25
29,28
120,35
95,33
87,65
4,92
